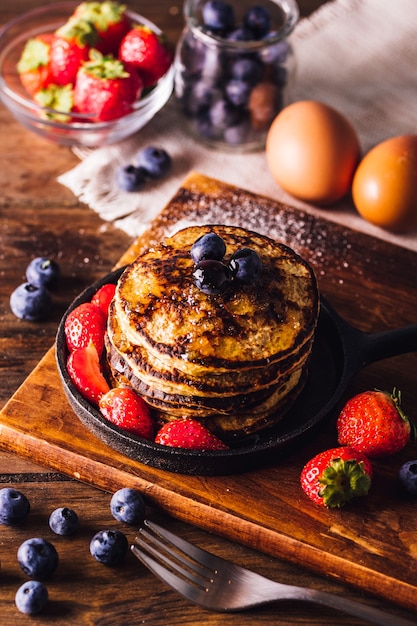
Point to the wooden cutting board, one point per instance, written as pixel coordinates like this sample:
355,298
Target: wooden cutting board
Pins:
371,544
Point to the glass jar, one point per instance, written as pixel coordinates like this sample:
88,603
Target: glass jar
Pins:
230,84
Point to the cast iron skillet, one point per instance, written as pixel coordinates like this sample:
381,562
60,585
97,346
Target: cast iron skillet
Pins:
339,352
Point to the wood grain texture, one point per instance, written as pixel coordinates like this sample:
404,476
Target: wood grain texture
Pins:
371,544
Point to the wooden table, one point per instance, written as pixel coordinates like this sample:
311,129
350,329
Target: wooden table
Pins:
39,217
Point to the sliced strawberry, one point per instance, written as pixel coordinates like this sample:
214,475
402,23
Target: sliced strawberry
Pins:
83,367
70,47
84,325
147,52
188,433
334,477
105,89
123,407
111,21
104,296
34,65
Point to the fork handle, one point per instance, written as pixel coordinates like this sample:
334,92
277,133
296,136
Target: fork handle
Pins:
375,616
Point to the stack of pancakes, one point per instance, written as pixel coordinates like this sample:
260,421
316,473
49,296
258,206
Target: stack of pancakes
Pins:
236,361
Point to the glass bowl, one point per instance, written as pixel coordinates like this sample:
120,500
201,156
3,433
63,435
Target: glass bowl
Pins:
78,132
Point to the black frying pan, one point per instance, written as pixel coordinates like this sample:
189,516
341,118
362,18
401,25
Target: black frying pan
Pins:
339,352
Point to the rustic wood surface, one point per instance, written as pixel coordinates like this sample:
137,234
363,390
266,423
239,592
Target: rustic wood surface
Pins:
40,217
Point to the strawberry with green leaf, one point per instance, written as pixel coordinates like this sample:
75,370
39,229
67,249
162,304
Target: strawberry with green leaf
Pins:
34,65
335,477
59,99
70,47
147,52
110,20
105,89
374,423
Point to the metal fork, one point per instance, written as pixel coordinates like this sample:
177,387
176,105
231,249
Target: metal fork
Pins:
217,584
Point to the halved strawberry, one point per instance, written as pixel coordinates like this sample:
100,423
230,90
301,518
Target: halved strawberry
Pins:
123,407
105,89
84,325
34,66
111,21
83,367
334,477
104,296
188,433
70,47
147,52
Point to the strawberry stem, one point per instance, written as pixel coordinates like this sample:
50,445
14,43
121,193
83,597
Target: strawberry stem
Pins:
105,67
396,398
342,481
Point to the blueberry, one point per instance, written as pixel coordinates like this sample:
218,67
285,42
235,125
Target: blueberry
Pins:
223,114
197,97
43,272
31,303
128,506
238,91
237,134
109,547
208,246
245,265
276,52
204,126
31,597
218,15
247,68
14,506
37,557
407,477
212,277
156,162
63,521
130,178
240,34
258,21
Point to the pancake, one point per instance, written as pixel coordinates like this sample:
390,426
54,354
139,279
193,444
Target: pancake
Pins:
236,360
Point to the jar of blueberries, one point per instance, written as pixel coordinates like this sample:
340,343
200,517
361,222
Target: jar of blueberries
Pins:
234,69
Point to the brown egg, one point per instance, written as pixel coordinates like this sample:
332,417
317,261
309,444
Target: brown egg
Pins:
384,188
312,151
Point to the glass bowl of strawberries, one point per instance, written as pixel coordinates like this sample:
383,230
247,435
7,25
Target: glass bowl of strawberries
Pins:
85,75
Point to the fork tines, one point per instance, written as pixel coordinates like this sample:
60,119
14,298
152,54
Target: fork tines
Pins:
171,558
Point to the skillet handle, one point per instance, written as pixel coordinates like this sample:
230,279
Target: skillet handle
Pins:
378,346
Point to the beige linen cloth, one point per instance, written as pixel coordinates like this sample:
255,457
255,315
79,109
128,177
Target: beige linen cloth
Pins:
359,56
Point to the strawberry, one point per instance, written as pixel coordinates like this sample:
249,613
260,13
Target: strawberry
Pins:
104,296
147,52
336,476
110,20
105,89
85,324
57,97
188,433
34,65
83,367
374,423
70,47
123,407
